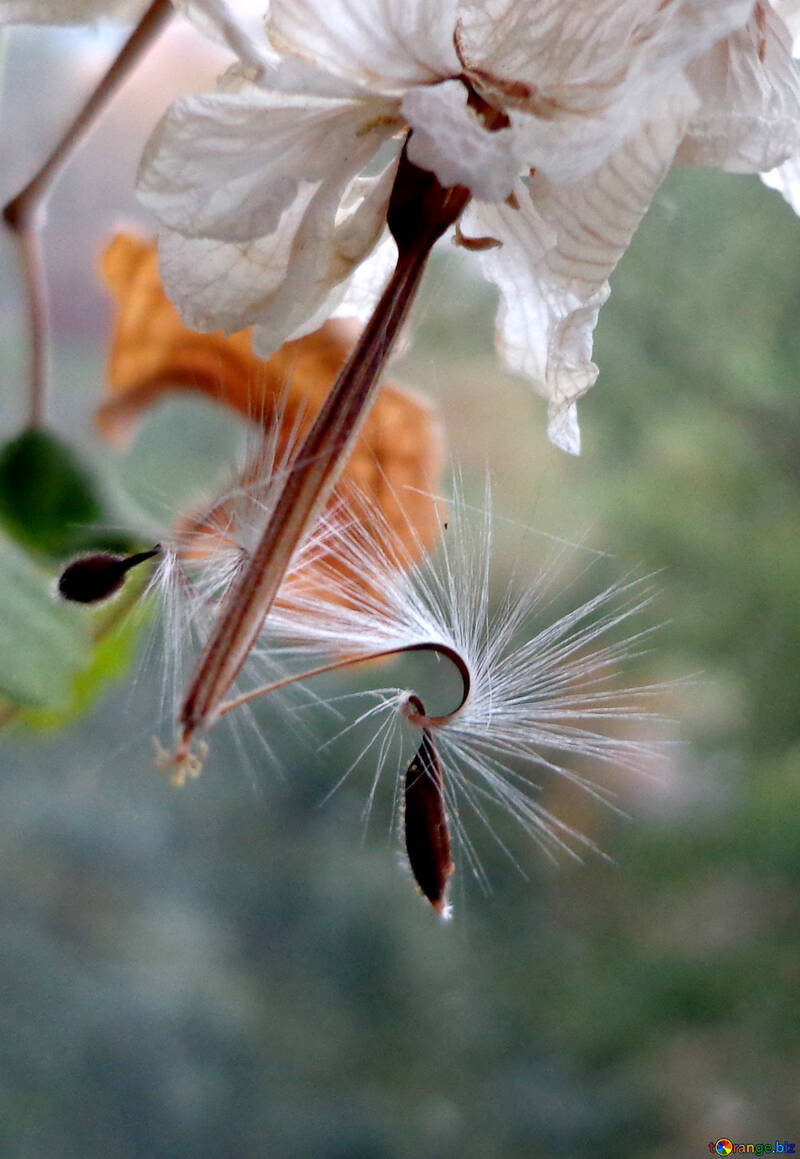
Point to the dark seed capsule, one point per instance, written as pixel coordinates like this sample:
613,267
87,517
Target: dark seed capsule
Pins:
96,577
426,832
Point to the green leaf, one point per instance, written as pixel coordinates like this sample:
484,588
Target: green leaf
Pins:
48,501
114,651
42,642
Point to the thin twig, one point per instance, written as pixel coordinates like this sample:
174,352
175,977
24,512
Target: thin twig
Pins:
416,713
24,214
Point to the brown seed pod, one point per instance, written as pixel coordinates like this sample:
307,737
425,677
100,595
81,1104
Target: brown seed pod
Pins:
94,578
427,835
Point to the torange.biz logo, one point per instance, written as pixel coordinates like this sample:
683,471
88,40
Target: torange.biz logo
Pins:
726,1147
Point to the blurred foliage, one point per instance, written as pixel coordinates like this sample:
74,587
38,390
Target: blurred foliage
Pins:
42,643
114,637
57,658
233,970
48,502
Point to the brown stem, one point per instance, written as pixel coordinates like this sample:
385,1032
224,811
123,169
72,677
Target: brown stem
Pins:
24,214
419,212
417,713
29,250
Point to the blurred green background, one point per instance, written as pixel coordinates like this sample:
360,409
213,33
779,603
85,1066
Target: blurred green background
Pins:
237,969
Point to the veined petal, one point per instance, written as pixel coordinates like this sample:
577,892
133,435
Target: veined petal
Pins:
558,251
227,165
749,86
578,79
450,140
218,285
382,44
337,233
589,42
543,329
285,283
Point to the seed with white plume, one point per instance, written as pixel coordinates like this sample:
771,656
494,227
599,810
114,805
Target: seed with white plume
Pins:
550,705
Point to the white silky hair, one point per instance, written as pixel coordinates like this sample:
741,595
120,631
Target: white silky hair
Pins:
200,558
545,698
536,706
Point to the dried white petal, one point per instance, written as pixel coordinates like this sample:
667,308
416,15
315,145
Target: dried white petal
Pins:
285,284
383,44
558,251
228,165
328,247
544,43
749,85
225,285
588,73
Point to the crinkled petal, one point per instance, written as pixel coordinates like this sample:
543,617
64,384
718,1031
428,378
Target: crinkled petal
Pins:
543,329
749,87
558,250
579,78
220,285
68,11
382,44
329,246
585,43
227,165
284,284
450,140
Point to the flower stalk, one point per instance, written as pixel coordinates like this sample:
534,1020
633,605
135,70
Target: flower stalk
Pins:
420,210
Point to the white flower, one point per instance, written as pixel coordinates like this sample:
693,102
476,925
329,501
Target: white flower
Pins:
263,184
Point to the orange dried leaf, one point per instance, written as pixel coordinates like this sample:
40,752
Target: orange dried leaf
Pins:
398,458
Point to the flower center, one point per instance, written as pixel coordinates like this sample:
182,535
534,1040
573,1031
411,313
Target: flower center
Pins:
493,118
